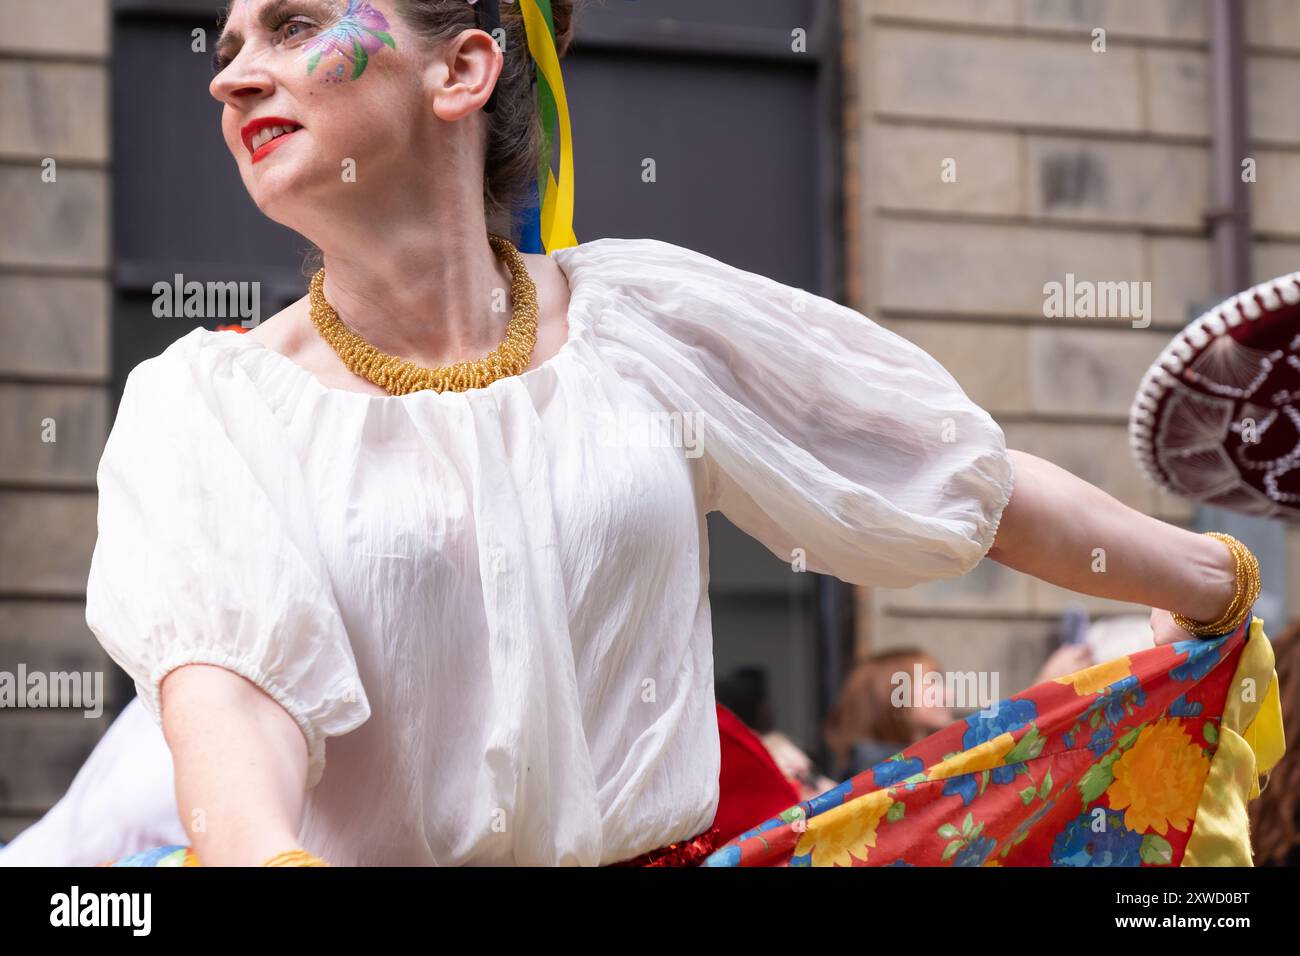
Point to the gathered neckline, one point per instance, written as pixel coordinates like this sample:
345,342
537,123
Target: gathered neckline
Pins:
574,327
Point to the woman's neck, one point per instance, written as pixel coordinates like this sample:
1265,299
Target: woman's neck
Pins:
431,295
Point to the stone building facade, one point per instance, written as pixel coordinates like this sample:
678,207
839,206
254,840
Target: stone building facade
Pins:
1067,160
54,370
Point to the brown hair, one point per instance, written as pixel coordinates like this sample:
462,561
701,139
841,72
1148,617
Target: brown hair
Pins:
514,129
1275,815
864,712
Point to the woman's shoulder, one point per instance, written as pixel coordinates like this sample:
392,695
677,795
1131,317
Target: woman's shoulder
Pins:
285,332
166,370
649,266
547,276
553,302
632,252
197,400
179,365
202,366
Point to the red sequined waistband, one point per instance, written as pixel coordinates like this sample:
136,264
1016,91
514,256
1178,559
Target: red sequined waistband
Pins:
690,852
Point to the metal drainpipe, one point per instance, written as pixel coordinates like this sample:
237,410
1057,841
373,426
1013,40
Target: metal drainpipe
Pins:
1230,216
1230,227
835,600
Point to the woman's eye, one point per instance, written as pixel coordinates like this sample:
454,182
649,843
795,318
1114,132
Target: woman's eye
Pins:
292,29
287,30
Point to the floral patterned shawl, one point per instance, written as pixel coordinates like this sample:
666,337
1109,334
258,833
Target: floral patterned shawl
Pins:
1148,760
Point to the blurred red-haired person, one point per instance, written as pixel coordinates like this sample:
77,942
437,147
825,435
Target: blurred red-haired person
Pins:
865,726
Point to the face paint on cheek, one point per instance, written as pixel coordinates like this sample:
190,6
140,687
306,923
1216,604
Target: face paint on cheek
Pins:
359,33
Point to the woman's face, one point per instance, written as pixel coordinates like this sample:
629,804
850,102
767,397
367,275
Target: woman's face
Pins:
322,97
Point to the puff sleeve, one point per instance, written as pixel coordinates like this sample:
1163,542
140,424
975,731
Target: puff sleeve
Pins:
820,430
207,552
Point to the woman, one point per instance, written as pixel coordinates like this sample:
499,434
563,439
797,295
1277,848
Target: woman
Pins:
492,600
1275,816
865,727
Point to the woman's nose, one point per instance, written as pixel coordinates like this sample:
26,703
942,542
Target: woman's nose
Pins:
241,81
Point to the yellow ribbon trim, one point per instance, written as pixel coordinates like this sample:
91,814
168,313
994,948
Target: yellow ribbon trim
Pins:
1251,742
557,205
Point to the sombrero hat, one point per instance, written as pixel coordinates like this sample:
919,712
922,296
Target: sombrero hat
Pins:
1217,416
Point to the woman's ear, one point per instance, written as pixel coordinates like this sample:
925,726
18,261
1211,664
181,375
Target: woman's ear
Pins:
464,74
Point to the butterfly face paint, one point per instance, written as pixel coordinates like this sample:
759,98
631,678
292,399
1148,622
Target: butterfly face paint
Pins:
347,45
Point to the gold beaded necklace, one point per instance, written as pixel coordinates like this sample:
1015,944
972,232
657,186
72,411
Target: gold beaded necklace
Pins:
400,377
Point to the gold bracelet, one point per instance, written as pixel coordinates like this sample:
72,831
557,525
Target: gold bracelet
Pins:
295,858
1248,586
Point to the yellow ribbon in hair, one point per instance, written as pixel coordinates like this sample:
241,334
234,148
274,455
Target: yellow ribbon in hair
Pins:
557,205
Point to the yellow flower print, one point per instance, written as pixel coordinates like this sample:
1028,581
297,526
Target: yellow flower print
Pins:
1159,779
1090,680
840,836
986,756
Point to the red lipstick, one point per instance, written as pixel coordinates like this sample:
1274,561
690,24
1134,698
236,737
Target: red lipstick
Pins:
262,123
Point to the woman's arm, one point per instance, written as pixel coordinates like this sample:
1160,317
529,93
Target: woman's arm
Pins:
241,766
1063,530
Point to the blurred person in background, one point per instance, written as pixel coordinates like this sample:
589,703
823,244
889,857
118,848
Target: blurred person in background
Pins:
865,727
1085,644
798,767
1275,814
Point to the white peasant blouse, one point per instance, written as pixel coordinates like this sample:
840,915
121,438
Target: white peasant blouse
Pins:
494,604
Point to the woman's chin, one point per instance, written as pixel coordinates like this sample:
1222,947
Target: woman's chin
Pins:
276,189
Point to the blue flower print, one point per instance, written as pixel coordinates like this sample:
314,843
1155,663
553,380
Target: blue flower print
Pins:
1003,717
891,772
965,786
1102,739
1112,699
975,852
1202,656
1004,774
1078,845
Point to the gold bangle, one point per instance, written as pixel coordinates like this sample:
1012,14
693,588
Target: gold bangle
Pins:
295,858
1246,571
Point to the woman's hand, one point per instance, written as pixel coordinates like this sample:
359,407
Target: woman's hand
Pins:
1164,630
1066,659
